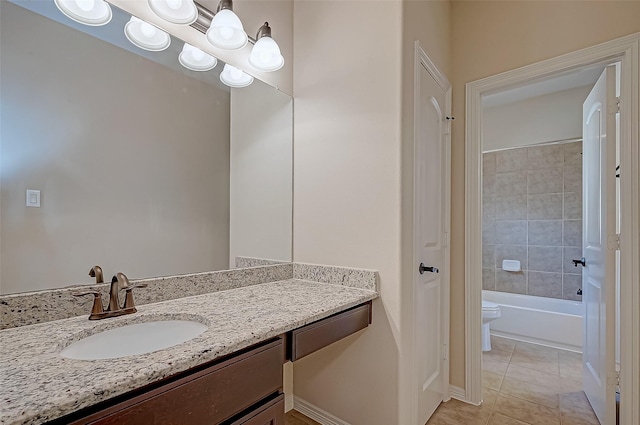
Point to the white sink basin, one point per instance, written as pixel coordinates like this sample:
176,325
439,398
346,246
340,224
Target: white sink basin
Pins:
131,340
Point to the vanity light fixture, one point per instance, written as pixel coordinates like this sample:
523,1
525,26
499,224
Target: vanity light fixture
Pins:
195,59
226,31
88,12
265,54
181,12
234,77
146,36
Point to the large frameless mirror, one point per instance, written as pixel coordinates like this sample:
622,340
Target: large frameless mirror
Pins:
132,161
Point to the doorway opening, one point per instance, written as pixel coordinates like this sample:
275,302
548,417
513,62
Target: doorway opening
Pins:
532,222
532,234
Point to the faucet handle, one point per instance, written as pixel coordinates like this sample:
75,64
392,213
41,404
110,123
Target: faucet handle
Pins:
128,300
135,285
97,307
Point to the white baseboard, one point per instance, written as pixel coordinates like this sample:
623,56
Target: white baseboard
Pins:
288,402
457,393
316,413
460,394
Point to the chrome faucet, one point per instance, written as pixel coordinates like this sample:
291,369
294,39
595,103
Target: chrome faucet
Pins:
118,283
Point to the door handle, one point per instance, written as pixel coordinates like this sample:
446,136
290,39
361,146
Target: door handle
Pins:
422,268
580,261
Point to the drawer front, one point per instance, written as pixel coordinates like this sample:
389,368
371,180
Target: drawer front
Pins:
271,413
314,336
207,397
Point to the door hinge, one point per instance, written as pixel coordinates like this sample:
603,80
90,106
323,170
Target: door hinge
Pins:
614,242
613,381
445,241
614,108
445,351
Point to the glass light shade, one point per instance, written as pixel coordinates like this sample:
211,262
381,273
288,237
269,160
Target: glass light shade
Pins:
195,59
88,12
266,55
226,31
146,36
181,12
234,77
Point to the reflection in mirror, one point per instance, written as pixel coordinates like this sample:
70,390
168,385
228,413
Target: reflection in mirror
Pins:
142,166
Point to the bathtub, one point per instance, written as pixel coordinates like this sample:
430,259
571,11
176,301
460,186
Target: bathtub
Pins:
547,321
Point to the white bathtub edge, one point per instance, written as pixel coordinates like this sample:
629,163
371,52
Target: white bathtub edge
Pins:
538,320
532,340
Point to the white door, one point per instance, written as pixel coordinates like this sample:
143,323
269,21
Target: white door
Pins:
599,245
430,215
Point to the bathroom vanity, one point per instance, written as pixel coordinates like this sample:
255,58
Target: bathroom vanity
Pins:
230,374
234,389
242,388
190,206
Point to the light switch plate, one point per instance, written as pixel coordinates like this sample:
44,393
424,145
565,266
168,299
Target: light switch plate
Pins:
33,198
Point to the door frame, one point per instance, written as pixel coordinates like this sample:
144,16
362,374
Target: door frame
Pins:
626,50
421,59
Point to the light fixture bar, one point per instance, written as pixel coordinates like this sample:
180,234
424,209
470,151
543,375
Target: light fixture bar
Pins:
203,21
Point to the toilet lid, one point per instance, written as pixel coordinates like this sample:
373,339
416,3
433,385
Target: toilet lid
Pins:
488,305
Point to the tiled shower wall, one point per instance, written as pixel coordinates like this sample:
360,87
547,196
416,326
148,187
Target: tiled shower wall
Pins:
532,212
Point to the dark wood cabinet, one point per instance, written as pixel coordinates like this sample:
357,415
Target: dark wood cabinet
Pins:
207,395
271,413
314,336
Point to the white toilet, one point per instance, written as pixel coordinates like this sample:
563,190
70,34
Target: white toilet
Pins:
490,312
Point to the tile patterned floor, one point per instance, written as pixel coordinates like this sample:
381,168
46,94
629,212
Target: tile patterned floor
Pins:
522,384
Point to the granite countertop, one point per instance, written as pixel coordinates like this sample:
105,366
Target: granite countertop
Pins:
38,385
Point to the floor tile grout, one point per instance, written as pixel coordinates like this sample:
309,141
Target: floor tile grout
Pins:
526,356
456,412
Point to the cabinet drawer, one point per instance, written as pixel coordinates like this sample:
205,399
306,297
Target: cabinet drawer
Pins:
271,413
316,335
206,397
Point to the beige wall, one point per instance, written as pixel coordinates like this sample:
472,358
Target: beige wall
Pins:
492,37
547,118
351,73
347,191
261,174
124,184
